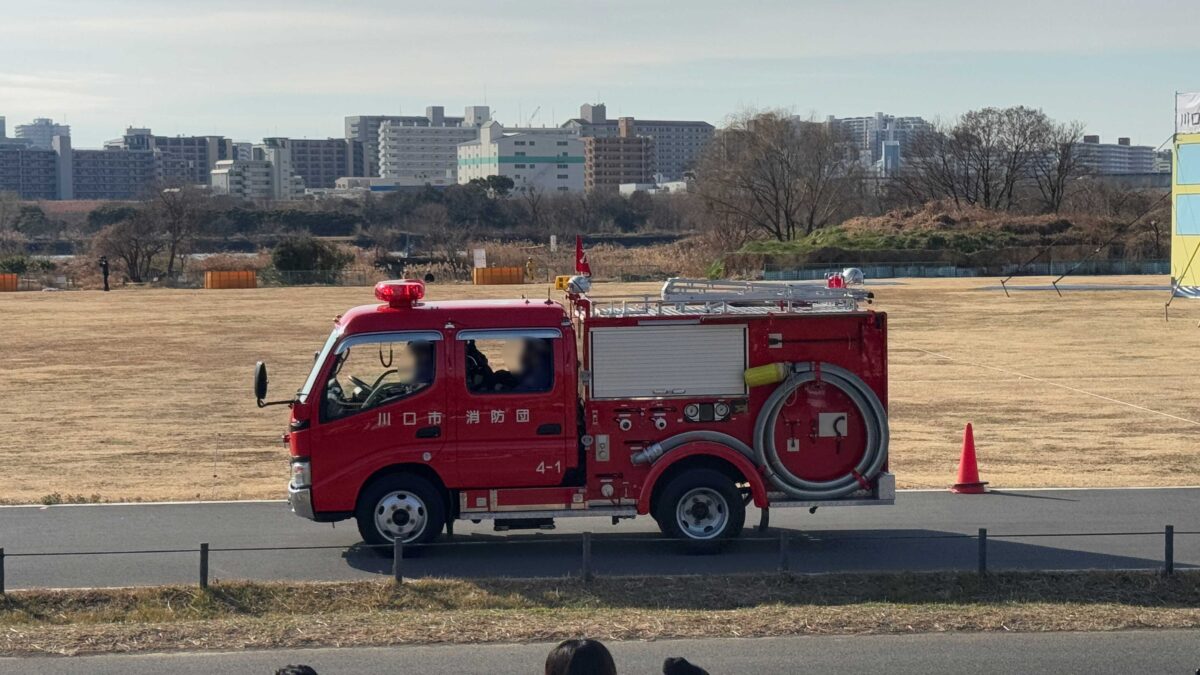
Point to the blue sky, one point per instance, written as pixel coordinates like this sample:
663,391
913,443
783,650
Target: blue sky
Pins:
296,68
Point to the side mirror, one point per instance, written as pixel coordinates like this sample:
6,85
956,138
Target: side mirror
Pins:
260,382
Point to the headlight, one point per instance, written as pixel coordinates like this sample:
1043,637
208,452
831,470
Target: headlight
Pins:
301,474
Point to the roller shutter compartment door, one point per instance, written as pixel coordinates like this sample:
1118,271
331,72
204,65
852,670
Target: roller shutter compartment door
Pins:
662,361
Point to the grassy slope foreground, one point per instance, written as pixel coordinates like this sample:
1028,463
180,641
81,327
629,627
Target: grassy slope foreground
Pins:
247,615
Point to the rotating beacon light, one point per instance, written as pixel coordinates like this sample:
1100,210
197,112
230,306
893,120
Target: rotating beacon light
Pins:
400,294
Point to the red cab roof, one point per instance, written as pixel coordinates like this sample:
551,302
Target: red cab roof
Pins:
464,314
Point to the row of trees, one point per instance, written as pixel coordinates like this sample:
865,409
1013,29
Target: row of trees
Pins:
996,158
770,174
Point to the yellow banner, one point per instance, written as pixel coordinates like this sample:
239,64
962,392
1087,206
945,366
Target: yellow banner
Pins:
1185,215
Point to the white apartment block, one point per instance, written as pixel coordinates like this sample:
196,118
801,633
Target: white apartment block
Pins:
882,140
41,132
407,150
266,177
543,161
367,130
1108,159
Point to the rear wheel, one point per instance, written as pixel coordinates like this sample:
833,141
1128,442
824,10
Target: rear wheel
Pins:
404,507
702,507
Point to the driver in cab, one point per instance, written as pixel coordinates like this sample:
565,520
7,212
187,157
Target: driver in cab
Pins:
391,372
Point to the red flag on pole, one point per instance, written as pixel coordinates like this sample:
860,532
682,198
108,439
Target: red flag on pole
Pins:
581,260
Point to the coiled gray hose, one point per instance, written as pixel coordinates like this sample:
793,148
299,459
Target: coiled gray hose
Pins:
874,418
766,455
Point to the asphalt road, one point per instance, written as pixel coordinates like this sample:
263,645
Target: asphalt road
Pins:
912,535
1063,653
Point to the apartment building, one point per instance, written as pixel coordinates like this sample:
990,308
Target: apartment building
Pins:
1122,157
112,174
30,172
678,144
320,162
881,140
267,176
182,159
545,162
365,129
40,133
609,162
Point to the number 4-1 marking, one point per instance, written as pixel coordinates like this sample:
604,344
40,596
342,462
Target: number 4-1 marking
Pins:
556,467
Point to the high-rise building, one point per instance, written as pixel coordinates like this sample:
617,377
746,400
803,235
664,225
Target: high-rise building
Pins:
872,135
366,130
677,144
1122,157
320,162
182,159
545,162
32,173
41,132
609,162
113,173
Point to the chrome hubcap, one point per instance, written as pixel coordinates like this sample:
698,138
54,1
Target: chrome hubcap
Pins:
702,513
401,515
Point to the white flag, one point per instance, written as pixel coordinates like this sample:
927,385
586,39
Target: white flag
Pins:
1187,113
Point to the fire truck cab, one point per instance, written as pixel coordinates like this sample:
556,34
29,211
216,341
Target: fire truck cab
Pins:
686,407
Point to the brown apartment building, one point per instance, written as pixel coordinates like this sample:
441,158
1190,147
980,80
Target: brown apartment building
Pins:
625,158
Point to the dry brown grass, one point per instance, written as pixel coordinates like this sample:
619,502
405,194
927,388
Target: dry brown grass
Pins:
241,615
146,394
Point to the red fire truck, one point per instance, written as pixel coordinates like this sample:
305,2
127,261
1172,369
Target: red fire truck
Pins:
687,407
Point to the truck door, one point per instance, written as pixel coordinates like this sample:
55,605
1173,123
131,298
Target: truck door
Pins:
383,401
510,410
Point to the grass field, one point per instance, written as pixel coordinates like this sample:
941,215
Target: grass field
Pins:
146,394
243,615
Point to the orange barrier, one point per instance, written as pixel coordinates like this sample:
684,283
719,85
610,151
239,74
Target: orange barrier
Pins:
8,283
489,276
234,279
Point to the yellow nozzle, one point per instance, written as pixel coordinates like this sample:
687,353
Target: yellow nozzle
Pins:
768,374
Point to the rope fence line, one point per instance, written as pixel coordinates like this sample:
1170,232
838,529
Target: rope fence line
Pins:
1052,383
586,570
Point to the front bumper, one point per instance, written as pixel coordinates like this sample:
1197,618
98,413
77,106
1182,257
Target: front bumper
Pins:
300,499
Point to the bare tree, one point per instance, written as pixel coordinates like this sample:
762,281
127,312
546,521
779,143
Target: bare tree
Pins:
535,203
983,159
1060,165
179,211
135,241
786,177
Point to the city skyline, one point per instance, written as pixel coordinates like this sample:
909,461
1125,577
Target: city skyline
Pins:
297,69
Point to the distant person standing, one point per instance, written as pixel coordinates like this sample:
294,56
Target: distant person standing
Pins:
104,270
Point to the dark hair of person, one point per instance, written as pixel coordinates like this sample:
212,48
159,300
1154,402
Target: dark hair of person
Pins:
580,657
296,670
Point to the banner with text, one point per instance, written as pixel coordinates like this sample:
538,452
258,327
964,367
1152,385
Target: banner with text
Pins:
1187,113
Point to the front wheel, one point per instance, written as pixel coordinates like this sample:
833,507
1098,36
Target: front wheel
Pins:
702,507
404,507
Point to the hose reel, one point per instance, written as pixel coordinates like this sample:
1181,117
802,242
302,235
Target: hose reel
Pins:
765,454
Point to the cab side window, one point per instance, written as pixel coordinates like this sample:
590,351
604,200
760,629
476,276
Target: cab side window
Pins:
378,371
509,365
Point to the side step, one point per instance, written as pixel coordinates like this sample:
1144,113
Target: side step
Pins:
506,524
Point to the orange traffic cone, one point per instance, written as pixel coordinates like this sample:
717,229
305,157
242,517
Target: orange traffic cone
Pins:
968,471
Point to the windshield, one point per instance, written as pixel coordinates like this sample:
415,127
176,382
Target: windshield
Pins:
302,395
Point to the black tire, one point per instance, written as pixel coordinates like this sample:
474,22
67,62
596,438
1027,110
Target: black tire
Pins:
714,512
418,506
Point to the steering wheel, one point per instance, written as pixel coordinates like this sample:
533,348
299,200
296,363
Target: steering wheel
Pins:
377,391
359,383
